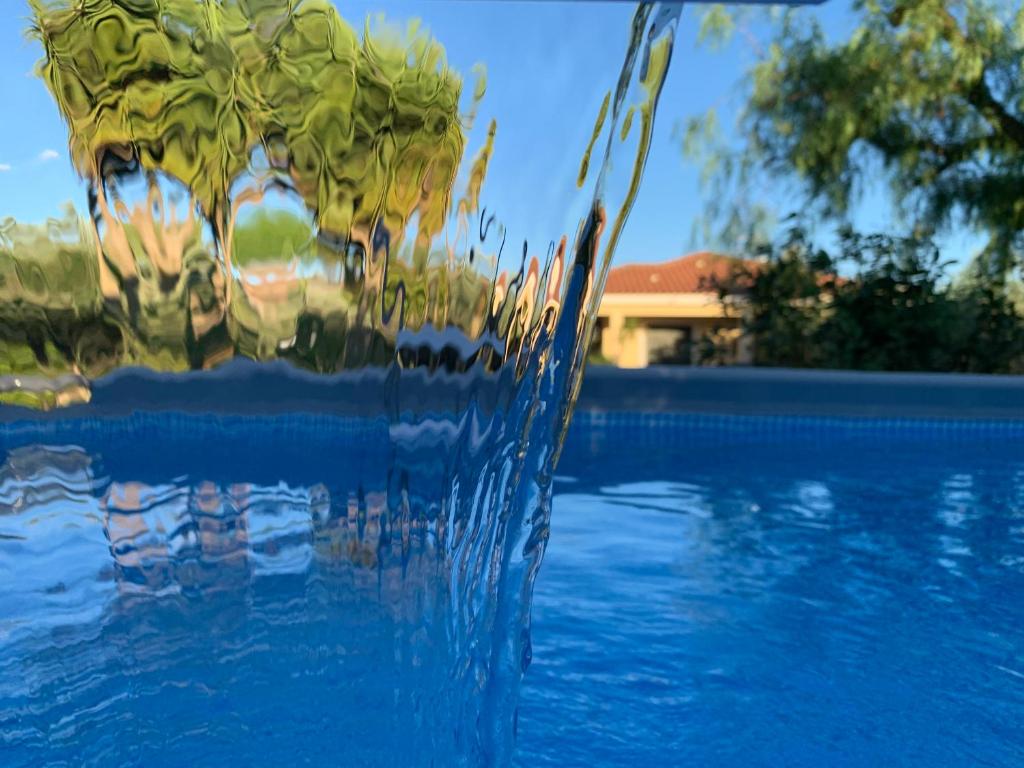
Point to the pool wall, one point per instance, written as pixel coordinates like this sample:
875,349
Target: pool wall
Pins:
731,406
791,392
244,387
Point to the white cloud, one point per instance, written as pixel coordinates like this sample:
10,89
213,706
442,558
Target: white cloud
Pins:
48,154
4,167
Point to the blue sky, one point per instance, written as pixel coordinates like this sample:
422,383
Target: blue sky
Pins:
549,65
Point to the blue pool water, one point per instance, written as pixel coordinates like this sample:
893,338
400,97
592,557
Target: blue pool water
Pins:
717,591
759,592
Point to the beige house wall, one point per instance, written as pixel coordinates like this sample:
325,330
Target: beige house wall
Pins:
625,320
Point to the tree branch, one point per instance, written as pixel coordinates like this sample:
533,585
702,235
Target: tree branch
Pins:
981,98
979,95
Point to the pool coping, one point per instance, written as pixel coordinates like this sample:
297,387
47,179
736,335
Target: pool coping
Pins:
750,391
244,387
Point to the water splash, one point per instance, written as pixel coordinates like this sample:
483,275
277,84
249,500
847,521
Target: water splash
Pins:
265,184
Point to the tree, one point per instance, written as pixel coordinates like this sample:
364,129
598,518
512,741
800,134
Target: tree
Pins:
930,92
50,313
210,94
894,313
784,302
186,116
271,235
879,303
991,321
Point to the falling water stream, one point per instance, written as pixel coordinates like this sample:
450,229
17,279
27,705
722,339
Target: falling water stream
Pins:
281,406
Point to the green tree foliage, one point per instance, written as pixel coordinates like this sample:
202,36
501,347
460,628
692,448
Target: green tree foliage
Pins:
927,94
893,313
362,130
271,235
784,301
879,303
186,116
50,313
49,265
990,322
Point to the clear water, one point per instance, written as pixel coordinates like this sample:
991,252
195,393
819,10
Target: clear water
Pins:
744,593
728,592
198,570
286,588
378,207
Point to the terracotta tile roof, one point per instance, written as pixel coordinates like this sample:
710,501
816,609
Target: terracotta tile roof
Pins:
695,273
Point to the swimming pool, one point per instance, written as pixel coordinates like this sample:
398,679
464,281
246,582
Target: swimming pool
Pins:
719,590
308,346
764,591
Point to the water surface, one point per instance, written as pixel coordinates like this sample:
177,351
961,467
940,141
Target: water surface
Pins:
724,597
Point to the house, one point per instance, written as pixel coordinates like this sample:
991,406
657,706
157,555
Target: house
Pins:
671,314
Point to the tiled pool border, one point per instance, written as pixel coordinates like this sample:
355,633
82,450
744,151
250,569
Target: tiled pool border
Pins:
672,404
682,428
790,393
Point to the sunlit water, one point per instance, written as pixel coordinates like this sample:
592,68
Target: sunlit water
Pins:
716,596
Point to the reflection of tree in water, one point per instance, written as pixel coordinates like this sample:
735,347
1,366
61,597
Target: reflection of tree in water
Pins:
195,538
139,601
172,537
208,536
